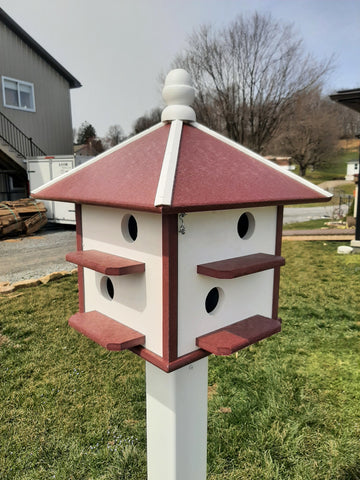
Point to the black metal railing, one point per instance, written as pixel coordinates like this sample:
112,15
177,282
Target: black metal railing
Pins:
17,140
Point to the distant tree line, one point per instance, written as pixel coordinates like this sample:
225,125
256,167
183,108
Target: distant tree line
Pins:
86,134
256,84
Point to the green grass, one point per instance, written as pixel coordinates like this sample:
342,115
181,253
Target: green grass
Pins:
285,408
68,408
308,225
312,224
347,189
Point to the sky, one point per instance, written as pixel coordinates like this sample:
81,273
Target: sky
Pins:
118,49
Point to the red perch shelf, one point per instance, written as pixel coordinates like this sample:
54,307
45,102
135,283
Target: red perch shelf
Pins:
105,262
240,266
105,331
232,338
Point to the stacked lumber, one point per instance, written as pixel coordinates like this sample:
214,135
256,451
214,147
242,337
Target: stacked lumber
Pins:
24,216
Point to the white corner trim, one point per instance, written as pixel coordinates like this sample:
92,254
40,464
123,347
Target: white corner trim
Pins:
168,169
263,160
99,157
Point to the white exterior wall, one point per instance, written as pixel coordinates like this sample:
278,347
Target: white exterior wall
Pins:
352,169
212,236
137,301
42,170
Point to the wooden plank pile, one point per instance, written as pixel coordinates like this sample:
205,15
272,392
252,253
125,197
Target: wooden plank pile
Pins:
21,217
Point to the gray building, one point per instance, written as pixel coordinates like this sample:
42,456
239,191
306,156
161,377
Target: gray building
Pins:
35,109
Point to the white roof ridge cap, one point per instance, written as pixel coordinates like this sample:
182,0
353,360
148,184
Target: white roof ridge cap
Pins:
168,169
98,157
263,160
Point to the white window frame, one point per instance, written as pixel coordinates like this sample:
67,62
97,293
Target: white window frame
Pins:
19,83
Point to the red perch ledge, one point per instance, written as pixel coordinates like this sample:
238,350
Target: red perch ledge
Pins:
105,262
240,266
232,338
105,331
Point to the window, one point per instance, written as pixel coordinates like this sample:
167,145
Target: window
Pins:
16,183
18,94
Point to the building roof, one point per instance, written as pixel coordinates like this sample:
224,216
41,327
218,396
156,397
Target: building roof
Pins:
178,166
85,149
349,98
20,32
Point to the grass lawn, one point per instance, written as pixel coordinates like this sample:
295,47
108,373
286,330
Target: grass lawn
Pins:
312,224
308,225
285,408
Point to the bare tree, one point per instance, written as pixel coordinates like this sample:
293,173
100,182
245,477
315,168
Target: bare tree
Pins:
146,121
310,132
114,135
246,76
97,145
348,121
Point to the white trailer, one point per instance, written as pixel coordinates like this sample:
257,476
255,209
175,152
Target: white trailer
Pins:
41,170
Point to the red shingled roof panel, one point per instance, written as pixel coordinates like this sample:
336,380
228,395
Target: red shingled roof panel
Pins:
211,173
127,177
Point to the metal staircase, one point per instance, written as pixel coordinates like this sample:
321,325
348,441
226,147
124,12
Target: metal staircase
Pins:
15,144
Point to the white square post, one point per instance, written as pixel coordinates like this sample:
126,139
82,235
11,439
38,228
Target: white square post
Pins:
176,409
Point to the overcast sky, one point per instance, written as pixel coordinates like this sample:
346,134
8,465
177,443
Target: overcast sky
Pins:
118,48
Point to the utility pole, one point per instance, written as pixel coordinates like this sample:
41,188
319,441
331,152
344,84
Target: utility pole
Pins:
356,243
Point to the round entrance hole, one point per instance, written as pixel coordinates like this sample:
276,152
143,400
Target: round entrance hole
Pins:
246,225
133,229
129,228
107,288
212,300
110,288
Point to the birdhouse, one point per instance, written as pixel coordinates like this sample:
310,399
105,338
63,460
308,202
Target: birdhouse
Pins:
178,239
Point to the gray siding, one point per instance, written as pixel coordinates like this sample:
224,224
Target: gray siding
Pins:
50,125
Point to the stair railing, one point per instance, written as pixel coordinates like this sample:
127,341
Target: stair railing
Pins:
17,140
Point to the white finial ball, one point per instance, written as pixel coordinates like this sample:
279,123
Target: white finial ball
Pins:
178,76
178,94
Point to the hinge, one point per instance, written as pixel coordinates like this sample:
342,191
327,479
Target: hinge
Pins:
182,225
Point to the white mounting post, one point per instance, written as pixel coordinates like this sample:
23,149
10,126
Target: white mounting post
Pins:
176,410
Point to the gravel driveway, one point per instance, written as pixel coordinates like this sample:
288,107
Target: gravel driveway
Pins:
37,255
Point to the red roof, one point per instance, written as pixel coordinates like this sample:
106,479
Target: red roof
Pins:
193,167
124,177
